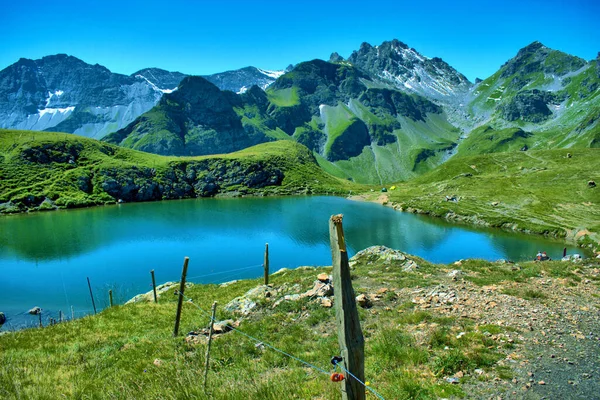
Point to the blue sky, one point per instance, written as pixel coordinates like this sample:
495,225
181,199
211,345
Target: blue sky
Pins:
203,37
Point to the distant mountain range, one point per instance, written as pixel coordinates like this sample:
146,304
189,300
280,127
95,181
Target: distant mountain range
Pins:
383,114
64,94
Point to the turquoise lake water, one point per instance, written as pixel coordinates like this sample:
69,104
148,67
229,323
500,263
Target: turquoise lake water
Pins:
45,258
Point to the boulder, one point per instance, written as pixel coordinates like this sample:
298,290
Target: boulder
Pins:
410,266
240,305
2,318
325,302
363,301
324,278
35,311
319,289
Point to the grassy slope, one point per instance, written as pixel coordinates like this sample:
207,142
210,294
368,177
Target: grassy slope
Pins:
538,191
112,355
58,181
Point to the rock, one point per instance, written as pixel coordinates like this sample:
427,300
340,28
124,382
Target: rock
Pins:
591,184
325,302
324,278
291,297
223,326
495,203
158,362
35,311
363,301
479,371
160,290
410,266
280,271
240,305
459,374
541,383
382,291
378,253
319,289
453,380
455,273
2,318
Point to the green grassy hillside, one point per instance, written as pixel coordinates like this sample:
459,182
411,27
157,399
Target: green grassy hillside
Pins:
537,191
44,170
423,327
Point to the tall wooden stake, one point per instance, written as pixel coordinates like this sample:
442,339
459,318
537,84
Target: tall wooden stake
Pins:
91,295
60,316
110,301
154,286
181,291
40,314
210,333
350,337
266,265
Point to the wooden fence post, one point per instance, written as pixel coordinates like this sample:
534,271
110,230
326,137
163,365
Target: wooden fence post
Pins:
266,265
350,337
210,333
40,314
60,316
180,293
91,295
154,286
110,301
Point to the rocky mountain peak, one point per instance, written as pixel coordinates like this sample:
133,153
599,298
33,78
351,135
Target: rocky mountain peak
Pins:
405,68
537,58
335,57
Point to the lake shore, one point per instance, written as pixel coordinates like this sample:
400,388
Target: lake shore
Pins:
488,329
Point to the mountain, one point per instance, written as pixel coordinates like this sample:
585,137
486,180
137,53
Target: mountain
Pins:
355,128
63,93
162,80
196,119
240,80
395,63
553,97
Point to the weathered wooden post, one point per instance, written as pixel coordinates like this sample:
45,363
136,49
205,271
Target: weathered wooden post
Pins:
154,286
350,337
110,301
60,316
40,314
266,265
72,313
91,295
180,293
210,333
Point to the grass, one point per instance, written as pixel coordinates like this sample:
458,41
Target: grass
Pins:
113,355
71,170
535,191
284,97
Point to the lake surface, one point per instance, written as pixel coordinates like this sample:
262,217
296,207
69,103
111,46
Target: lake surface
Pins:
45,258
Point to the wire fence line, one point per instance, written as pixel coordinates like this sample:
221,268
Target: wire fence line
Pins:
319,369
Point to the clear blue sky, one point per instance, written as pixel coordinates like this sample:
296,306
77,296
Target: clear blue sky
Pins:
203,37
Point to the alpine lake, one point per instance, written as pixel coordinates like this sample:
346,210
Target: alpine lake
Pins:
46,257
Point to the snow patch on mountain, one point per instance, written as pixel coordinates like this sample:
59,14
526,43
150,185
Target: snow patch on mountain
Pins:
154,86
55,110
272,74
